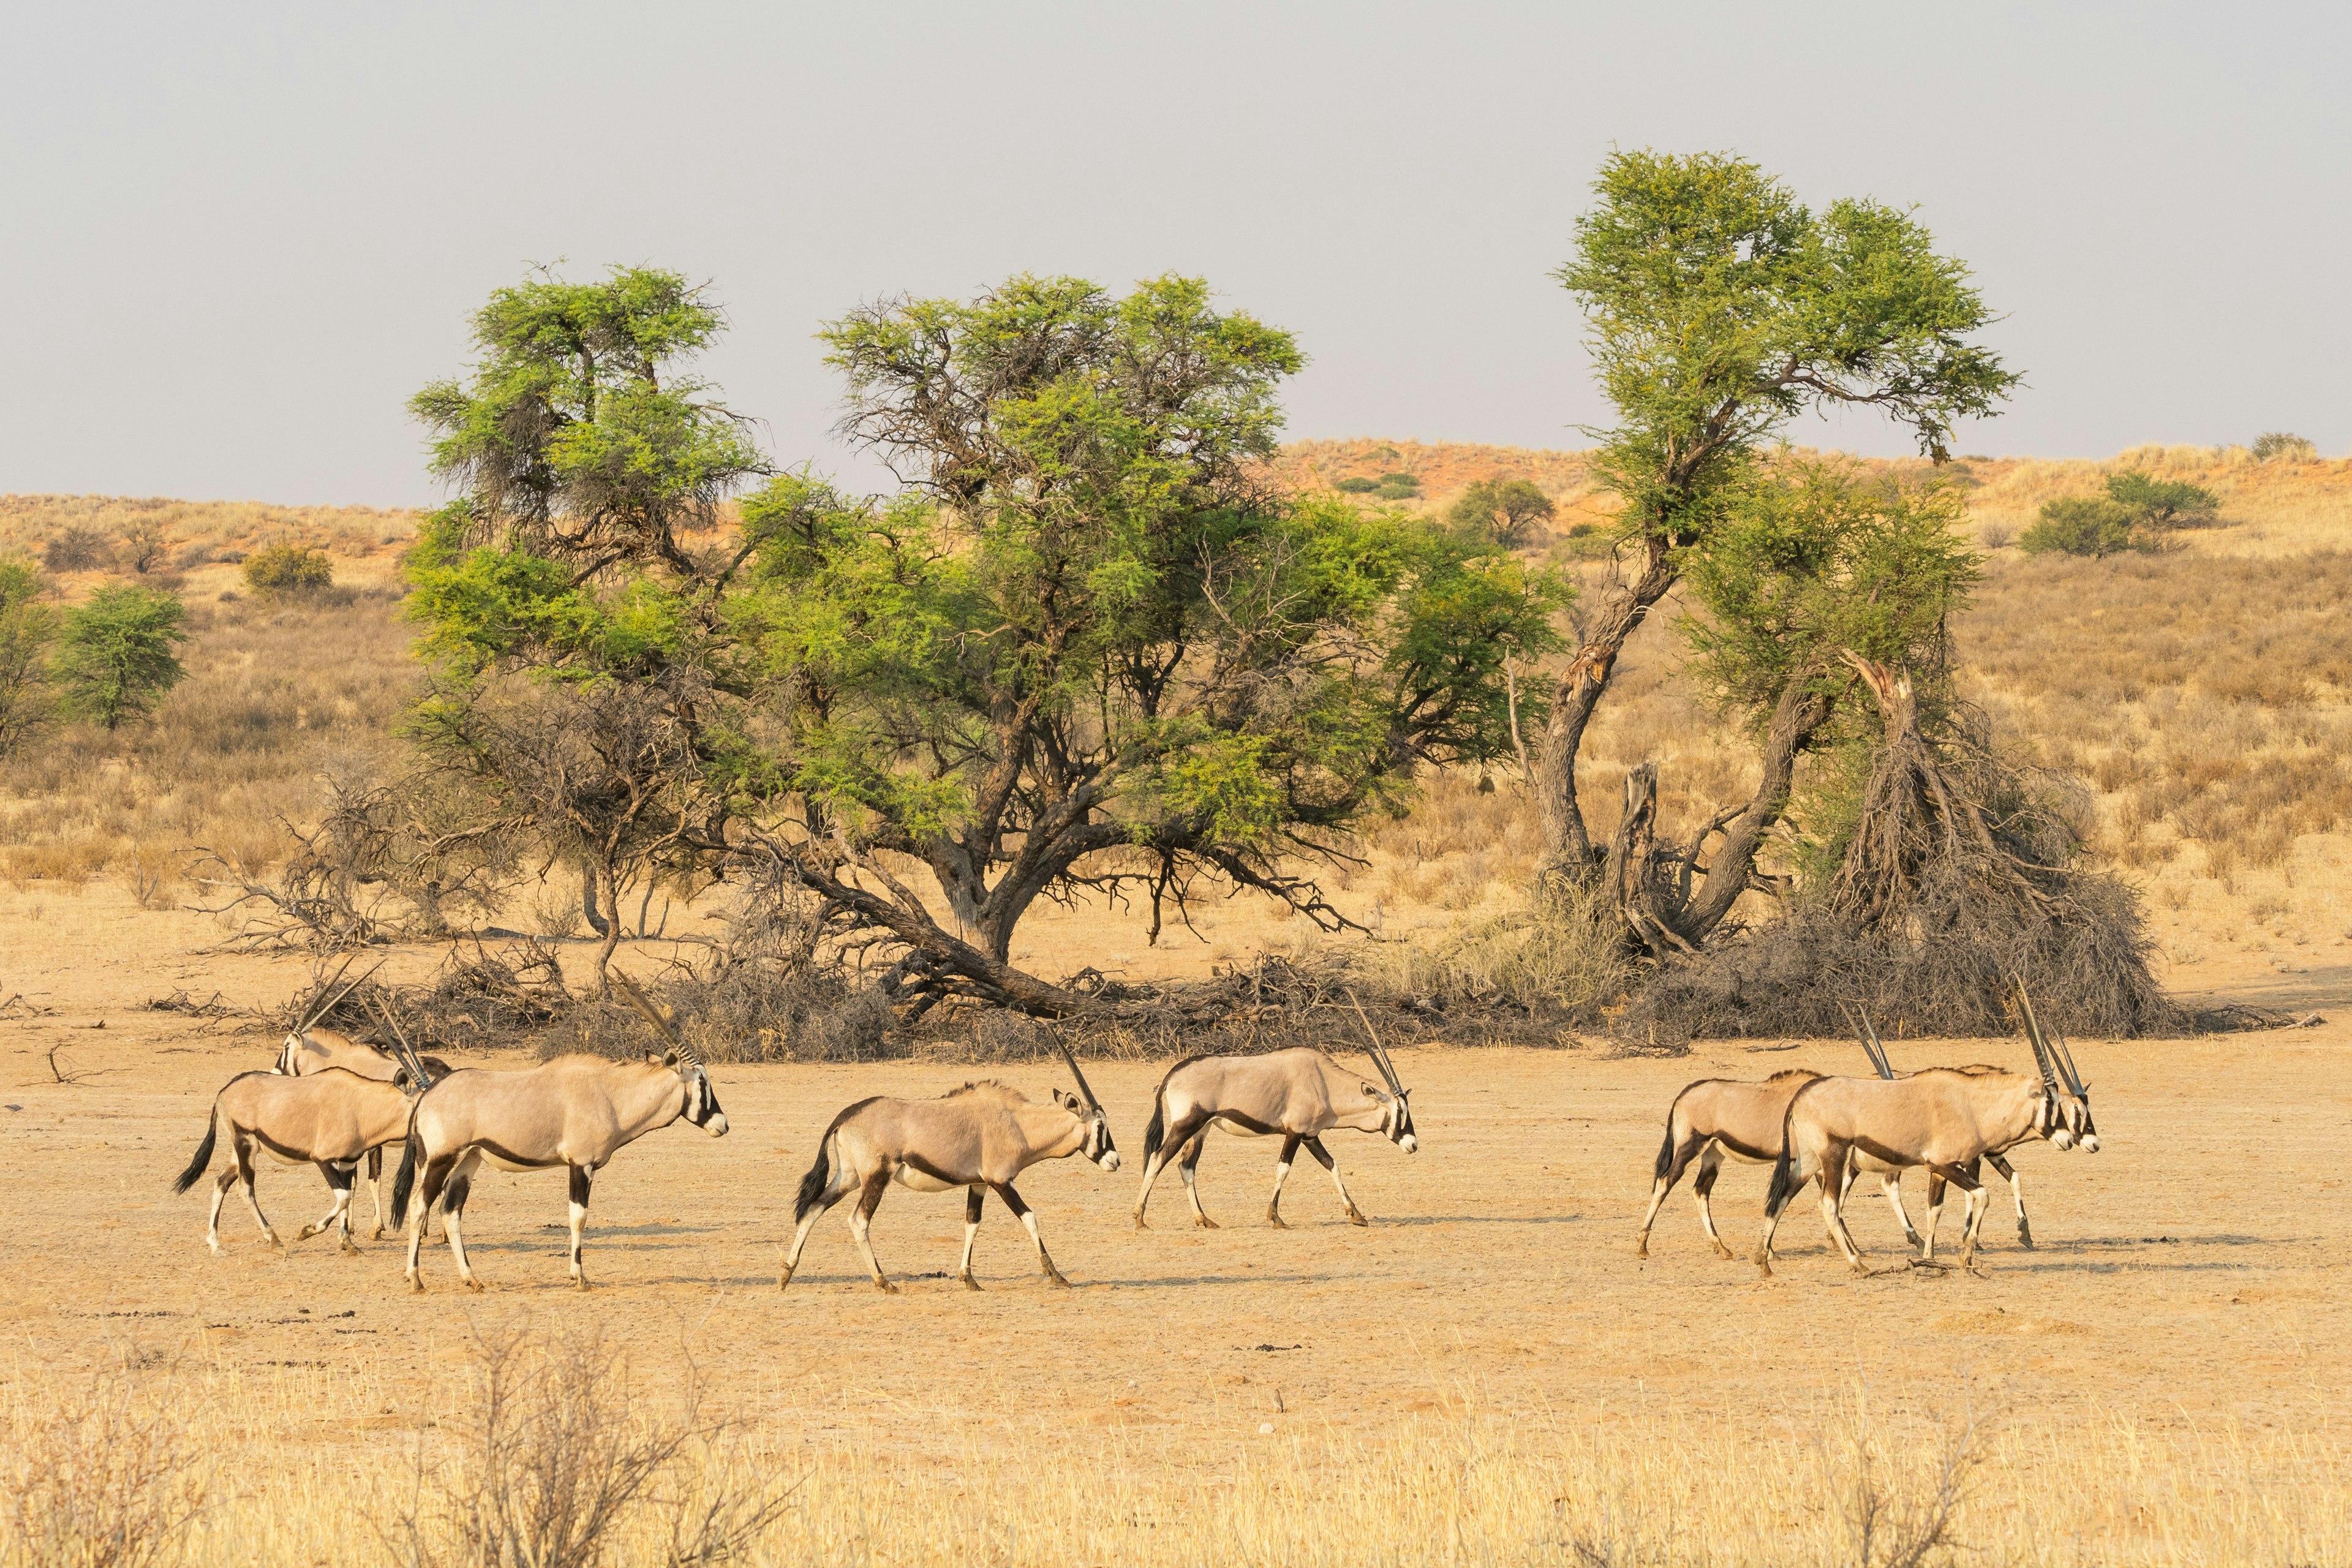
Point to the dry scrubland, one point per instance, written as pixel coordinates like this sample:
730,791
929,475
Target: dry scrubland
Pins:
1486,1375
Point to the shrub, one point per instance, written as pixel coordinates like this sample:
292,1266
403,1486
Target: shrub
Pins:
2079,525
2163,503
146,543
26,629
114,659
1357,486
282,569
78,549
1398,487
2283,444
1506,510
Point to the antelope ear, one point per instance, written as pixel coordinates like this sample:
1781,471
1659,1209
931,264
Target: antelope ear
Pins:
670,1059
400,1078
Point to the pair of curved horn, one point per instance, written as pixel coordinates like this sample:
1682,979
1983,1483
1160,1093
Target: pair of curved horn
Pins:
1379,1052
1872,1046
1084,1088
2033,1033
416,1073
323,1008
652,1015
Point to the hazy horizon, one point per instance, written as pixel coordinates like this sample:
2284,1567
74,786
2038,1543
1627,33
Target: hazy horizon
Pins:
240,239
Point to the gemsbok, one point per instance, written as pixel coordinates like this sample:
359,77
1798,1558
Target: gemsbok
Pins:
1944,1119
575,1112
329,1118
1300,1094
313,1050
978,1137
1716,1117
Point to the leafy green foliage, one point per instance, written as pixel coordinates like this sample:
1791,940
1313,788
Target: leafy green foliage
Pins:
28,627
1357,485
114,656
279,570
2080,525
1398,487
2163,503
2283,444
1503,510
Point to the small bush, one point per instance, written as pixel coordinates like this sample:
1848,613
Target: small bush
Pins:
114,659
2080,525
1505,510
1398,487
1358,487
2163,503
2273,443
78,549
145,545
288,569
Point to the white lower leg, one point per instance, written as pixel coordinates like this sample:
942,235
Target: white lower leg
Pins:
450,1227
963,1265
578,1216
1273,1204
261,1219
1892,1186
800,1239
1344,1198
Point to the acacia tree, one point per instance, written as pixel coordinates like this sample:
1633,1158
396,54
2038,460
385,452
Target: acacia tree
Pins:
1808,568
1086,647
1721,307
1090,647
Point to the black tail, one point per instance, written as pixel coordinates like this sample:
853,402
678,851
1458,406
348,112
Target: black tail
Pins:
812,1186
1157,1131
1665,1151
405,1178
1784,1181
204,1155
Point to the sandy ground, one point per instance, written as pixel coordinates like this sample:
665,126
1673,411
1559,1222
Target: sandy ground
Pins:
2192,1272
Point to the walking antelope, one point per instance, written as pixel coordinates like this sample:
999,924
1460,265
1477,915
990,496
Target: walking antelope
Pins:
1944,1119
1716,1117
329,1118
1300,1093
313,1050
576,1111
978,1137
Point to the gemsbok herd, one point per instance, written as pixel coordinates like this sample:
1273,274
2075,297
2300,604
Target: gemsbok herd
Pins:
333,1101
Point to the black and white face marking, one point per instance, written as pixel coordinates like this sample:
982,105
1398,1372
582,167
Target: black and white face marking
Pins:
1098,1146
2076,1111
702,1102
1400,1127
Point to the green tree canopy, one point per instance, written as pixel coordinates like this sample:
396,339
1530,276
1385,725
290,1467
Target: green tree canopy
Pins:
2163,503
2080,525
114,659
1505,510
28,627
1721,307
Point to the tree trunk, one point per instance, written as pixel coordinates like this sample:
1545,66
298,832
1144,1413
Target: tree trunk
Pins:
1567,844
596,921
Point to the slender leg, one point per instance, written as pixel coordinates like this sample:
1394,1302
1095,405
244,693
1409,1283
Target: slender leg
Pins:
2017,1190
861,1221
1772,1214
1965,1179
1188,1164
429,1185
1891,1183
1833,1160
1179,1137
1710,1165
375,1190
1936,1189
1663,1184
1323,1157
221,1185
243,1151
340,1175
971,1229
583,1179
453,1214
1028,1218
1281,1173
839,1180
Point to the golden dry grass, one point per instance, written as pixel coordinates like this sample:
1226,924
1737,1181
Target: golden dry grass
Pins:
354,533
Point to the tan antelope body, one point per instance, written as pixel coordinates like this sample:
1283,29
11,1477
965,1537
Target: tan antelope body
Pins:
315,1050
1298,1095
1945,1119
329,1118
574,1112
978,1137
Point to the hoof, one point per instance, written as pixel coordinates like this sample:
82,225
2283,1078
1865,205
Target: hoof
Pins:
1139,1224
376,1235
307,1231
580,1282
2025,1236
272,1238
1859,1268
1053,1277
969,1282
349,1248
417,1283
1356,1216
1763,1270
1642,1247
473,1284
1720,1251
215,1246
1203,1222
886,1287
1275,1220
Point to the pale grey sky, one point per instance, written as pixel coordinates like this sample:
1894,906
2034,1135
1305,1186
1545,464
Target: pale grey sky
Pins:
238,237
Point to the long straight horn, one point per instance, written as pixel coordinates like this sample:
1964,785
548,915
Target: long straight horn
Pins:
1871,1047
1379,1053
2066,1065
2033,1033
653,1015
416,1073
327,1007
1084,1088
